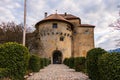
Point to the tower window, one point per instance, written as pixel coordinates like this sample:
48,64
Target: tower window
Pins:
52,33
48,33
61,33
87,31
61,38
65,34
57,33
54,25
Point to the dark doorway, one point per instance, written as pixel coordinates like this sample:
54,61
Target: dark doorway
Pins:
57,57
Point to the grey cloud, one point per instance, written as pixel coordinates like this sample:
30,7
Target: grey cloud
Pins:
97,12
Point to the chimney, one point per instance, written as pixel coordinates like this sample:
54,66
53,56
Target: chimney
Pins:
45,14
65,14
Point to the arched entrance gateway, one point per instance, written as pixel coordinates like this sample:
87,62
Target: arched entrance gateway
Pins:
57,57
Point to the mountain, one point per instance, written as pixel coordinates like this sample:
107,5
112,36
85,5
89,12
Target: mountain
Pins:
115,50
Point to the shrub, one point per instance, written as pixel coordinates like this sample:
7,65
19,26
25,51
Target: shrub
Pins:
41,63
14,57
3,73
92,63
71,62
34,63
65,61
44,62
109,66
80,64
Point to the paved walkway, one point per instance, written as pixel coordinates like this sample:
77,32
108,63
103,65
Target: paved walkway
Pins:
58,72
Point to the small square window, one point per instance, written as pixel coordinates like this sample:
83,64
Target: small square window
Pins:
87,31
54,25
52,33
57,33
61,38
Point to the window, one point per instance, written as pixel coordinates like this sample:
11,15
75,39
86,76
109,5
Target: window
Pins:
61,33
75,32
52,33
54,25
61,38
67,34
48,33
57,33
87,31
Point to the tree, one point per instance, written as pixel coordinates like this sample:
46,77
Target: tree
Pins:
12,32
116,26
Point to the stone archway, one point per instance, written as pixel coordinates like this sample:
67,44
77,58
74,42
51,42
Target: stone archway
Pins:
57,57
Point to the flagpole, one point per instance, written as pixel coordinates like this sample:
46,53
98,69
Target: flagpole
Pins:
24,29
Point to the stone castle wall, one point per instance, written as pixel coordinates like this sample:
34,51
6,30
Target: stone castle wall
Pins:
83,40
71,38
50,37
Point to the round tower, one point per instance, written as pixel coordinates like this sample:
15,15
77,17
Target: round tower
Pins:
55,33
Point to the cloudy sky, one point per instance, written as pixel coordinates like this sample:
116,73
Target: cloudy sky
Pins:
100,13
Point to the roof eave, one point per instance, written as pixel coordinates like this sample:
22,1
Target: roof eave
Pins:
42,21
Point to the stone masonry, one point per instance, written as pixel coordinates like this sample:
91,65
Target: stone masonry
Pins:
63,36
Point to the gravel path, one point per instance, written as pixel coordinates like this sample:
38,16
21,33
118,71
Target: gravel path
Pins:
58,72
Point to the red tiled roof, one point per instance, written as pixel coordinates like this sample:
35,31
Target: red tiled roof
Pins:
69,16
87,25
64,18
54,17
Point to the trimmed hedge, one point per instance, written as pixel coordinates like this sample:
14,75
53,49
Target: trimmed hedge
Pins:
66,61
46,61
77,63
92,63
80,64
109,66
34,63
71,62
3,73
14,57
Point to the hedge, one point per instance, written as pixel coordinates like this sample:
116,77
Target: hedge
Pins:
14,57
109,66
80,64
71,62
77,63
34,63
3,73
92,63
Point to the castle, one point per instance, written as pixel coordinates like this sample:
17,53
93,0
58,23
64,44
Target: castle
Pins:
63,36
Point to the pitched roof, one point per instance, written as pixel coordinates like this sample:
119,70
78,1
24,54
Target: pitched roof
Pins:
86,25
56,17
69,16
